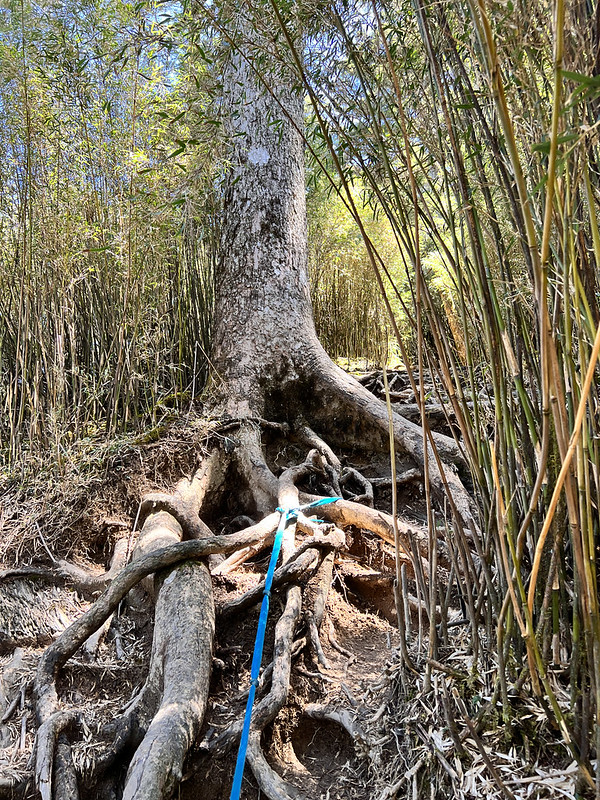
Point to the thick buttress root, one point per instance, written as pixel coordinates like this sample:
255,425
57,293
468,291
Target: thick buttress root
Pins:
183,641
174,544
361,419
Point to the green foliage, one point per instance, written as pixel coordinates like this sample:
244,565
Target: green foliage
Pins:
105,219
349,314
472,127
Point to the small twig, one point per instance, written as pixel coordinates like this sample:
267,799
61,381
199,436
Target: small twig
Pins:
11,708
336,645
318,675
454,673
479,744
348,692
23,739
47,549
315,641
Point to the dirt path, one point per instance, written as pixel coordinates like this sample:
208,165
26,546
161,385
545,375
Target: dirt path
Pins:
318,756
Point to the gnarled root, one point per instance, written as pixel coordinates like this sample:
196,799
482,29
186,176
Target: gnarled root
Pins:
164,719
90,584
180,662
305,559
54,773
181,659
359,417
179,671
267,709
273,786
183,638
319,590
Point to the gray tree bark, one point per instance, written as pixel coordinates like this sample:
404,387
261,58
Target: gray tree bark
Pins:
264,329
267,359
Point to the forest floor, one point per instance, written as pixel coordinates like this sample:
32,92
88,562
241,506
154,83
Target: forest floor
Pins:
358,725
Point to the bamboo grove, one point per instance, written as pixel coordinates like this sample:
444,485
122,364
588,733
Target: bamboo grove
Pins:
104,268
474,128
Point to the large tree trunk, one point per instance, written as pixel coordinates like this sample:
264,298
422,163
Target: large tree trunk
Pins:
263,315
267,358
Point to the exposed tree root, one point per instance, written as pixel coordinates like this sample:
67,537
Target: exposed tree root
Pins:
304,561
253,469
335,644
63,648
268,708
90,584
360,418
269,524
318,591
344,718
332,465
183,640
367,495
170,706
163,721
51,768
171,649
408,476
181,654
309,437
345,513
237,558
364,410
273,786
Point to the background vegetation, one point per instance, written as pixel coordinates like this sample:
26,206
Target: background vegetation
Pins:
105,222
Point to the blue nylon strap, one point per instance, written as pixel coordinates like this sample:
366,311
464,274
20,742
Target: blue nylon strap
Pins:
236,787
286,515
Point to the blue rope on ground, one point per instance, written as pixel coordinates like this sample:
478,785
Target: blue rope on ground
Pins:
286,516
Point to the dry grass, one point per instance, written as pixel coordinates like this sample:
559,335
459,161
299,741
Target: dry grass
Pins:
80,506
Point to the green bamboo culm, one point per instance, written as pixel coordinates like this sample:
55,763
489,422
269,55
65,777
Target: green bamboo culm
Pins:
490,186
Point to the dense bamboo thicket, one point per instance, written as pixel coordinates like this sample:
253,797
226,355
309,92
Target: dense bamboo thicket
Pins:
474,125
105,225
